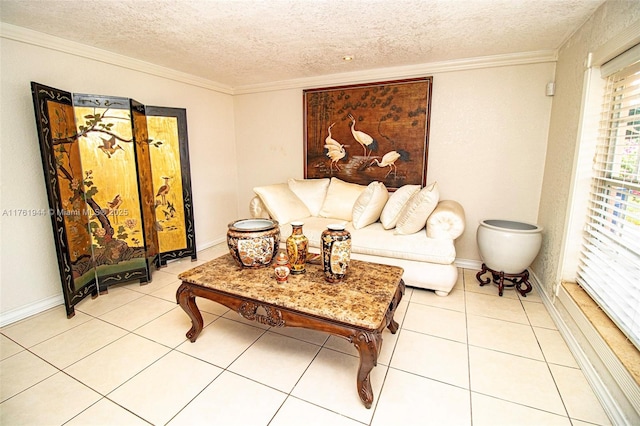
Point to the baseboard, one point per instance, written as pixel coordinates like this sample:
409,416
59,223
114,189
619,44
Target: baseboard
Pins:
206,245
612,384
26,311
468,263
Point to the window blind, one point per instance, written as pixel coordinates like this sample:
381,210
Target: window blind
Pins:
609,266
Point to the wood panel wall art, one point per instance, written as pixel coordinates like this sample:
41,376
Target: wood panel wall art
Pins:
369,132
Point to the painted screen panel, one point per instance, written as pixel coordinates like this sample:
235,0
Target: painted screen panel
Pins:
111,187
169,149
64,181
167,182
145,181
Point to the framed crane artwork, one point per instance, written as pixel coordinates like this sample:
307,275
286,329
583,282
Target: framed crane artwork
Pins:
369,132
105,159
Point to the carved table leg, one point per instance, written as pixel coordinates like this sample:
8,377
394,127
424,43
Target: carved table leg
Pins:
392,324
368,345
187,301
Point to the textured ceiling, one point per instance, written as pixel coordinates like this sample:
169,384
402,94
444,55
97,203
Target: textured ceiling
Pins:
239,43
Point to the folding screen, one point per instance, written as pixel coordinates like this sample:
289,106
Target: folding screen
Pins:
169,153
97,157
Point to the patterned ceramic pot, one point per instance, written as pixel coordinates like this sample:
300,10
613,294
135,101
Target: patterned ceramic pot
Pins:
253,243
281,268
297,249
336,252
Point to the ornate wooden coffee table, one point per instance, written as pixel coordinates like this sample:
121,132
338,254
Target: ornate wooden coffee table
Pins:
358,309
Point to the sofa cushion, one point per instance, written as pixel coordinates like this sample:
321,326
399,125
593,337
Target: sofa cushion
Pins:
374,240
415,213
341,196
312,228
283,205
391,212
369,205
311,192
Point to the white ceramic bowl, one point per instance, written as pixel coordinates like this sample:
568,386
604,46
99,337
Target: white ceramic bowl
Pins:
508,246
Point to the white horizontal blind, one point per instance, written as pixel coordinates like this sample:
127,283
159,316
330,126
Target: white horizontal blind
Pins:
609,268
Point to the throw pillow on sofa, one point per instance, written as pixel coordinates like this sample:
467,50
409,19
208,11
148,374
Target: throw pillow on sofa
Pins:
369,205
415,213
391,211
447,221
341,196
283,205
311,192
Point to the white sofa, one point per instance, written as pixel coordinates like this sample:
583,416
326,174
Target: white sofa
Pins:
410,227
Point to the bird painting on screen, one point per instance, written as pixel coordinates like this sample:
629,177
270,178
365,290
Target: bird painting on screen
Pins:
109,146
164,190
114,205
335,150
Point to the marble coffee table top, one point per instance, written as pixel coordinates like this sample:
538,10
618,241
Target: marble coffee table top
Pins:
361,299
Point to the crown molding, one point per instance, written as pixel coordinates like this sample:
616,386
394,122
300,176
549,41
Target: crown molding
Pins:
24,35
35,38
409,71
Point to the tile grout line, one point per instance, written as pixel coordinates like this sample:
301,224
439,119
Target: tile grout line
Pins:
466,320
384,379
322,346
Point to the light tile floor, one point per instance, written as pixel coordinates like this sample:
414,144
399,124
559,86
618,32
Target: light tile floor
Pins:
471,358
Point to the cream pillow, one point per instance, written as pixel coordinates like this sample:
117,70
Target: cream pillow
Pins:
281,203
341,196
393,208
369,205
447,221
415,213
311,192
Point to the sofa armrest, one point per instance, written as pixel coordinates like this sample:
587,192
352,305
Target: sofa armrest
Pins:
447,221
257,209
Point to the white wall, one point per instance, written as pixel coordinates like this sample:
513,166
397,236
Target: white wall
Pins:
30,277
610,19
487,144
269,140
487,149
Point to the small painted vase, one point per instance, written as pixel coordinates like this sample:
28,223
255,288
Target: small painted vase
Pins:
336,252
297,249
281,268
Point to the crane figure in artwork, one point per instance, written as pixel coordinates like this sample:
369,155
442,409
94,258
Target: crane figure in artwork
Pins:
109,146
389,159
335,150
362,138
164,190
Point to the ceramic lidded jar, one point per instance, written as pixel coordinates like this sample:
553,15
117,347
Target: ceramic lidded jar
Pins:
336,252
297,249
282,268
253,243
